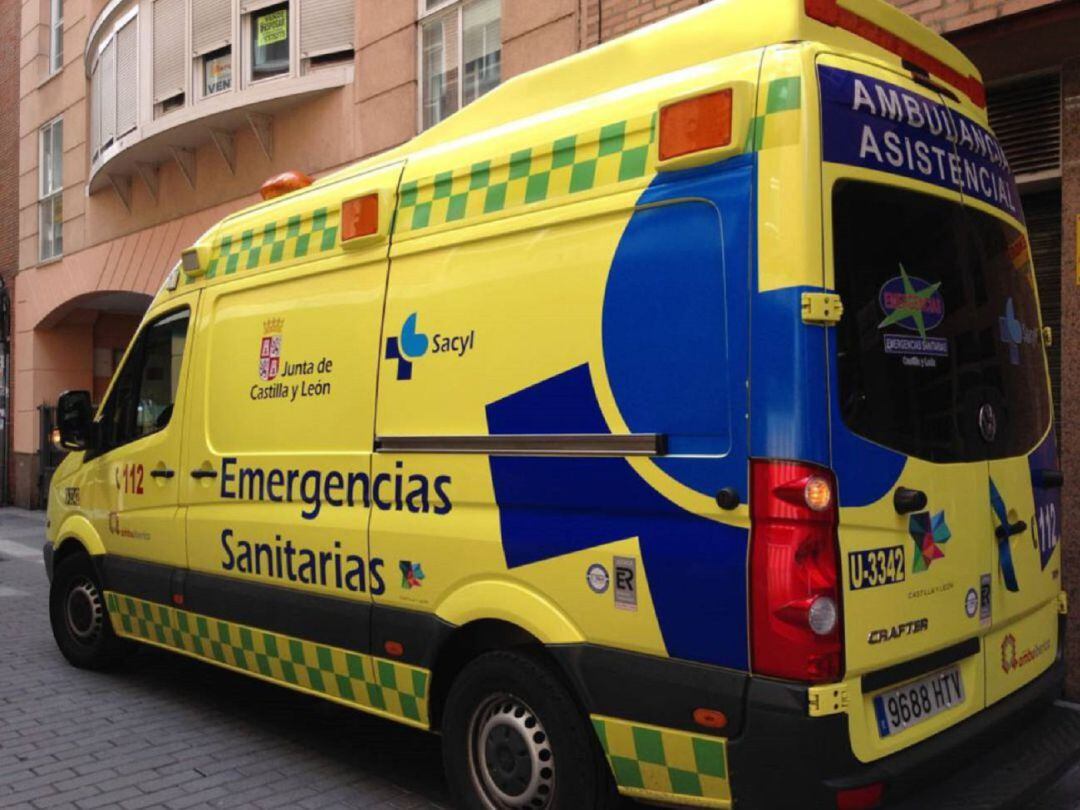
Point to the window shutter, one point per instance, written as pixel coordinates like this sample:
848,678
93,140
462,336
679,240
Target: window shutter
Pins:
211,25
127,91
95,109
107,66
1026,117
168,49
326,26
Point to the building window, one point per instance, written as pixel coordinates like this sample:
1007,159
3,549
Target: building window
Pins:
217,71
270,42
56,35
460,55
51,197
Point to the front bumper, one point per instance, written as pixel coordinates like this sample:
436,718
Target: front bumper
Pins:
48,551
785,759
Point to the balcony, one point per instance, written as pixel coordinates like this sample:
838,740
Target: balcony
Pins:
169,76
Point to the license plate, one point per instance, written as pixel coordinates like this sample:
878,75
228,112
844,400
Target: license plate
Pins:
911,704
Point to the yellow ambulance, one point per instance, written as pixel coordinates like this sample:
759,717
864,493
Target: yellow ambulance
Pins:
674,421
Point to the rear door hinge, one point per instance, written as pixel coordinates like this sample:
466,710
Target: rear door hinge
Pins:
822,309
829,699
1063,603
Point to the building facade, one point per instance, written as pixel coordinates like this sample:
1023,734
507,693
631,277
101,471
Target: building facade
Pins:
141,122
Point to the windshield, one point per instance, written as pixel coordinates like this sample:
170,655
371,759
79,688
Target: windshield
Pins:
939,351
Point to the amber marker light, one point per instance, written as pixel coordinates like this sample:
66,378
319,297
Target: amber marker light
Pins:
696,124
284,183
359,217
710,718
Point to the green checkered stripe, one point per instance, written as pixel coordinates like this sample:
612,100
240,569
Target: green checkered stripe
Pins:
612,154
779,125
298,237
662,763
373,684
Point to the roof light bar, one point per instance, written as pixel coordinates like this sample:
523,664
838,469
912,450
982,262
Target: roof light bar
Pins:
832,13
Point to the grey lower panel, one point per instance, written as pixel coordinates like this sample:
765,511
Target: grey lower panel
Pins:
638,444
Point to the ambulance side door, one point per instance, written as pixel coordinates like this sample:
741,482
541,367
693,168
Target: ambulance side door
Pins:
134,483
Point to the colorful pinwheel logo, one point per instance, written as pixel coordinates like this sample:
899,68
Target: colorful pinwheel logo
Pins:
929,535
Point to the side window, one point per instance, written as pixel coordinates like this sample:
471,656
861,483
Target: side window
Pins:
142,400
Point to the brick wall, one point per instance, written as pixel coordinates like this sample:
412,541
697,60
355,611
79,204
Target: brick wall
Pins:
9,137
950,15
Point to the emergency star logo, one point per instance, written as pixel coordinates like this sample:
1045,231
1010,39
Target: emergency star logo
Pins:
270,349
929,534
1008,653
407,347
911,303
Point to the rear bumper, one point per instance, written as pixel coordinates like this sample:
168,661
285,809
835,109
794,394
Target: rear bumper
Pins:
784,758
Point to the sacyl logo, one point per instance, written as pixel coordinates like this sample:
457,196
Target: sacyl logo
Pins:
410,345
406,348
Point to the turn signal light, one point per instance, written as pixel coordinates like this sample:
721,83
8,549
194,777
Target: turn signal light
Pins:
359,217
696,124
284,183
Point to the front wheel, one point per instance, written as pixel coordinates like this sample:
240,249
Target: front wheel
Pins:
514,738
79,620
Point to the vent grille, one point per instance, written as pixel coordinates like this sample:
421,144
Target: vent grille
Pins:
1026,117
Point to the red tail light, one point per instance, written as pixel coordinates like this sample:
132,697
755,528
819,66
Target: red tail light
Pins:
863,798
794,572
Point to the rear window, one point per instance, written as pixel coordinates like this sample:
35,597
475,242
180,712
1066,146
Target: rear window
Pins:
939,351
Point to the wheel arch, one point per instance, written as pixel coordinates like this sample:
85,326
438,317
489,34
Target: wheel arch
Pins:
76,535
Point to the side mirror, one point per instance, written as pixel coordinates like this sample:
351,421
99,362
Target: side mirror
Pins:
74,417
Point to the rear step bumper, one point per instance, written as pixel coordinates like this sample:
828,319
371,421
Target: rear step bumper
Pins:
995,759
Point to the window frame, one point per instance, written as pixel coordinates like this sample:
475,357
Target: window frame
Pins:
56,36
200,72
47,196
425,16
247,34
136,354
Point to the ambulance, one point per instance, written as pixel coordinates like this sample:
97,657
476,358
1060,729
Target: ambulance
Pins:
674,422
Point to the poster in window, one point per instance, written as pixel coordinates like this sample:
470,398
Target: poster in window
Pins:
272,28
218,73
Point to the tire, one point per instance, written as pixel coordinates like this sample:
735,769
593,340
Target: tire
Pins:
79,619
513,737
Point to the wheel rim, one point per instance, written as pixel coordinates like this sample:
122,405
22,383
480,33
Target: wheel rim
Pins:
84,611
510,757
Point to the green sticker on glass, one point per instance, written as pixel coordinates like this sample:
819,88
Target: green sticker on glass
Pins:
272,27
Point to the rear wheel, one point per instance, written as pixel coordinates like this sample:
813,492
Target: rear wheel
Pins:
79,620
514,738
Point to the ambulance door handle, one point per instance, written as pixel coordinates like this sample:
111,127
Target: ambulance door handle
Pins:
1003,532
908,500
201,473
1049,479
162,473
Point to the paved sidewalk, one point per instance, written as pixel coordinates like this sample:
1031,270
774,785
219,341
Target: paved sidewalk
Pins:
167,731
170,732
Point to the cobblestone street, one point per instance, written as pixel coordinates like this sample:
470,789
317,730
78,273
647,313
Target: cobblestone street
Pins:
166,731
